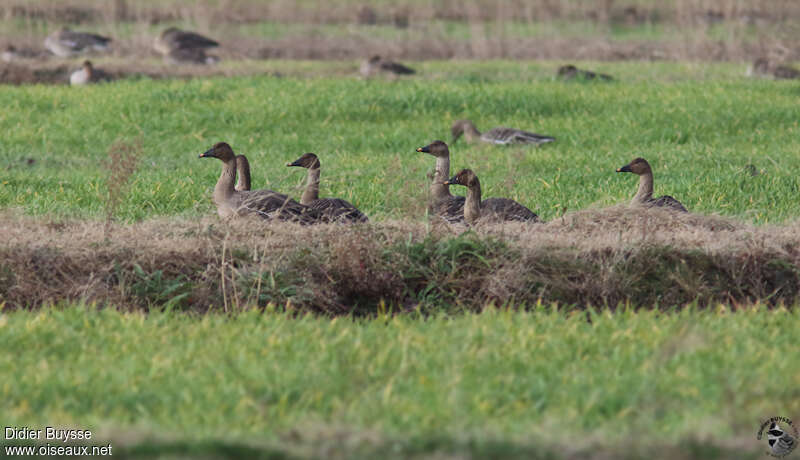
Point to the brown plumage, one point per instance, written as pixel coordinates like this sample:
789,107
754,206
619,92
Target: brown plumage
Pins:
570,72
263,203
762,66
180,46
490,209
644,195
335,209
442,203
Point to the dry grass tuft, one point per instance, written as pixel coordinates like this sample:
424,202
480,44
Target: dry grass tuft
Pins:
650,258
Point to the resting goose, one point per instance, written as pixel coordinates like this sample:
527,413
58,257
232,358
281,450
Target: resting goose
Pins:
492,209
644,196
66,43
377,64
179,46
87,74
263,203
570,72
242,174
335,209
442,203
499,135
762,66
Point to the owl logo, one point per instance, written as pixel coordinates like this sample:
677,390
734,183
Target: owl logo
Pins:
781,435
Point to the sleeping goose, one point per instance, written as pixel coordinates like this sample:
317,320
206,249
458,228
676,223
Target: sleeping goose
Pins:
182,46
491,209
499,135
87,74
570,72
442,203
242,174
263,203
66,43
644,196
336,209
377,64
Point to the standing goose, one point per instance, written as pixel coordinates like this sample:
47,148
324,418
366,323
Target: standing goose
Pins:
644,196
499,135
66,43
336,209
442,203
377,64
242,174
264,203
493,209
87,74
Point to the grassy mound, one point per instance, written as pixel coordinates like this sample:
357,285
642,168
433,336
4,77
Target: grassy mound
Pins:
600,257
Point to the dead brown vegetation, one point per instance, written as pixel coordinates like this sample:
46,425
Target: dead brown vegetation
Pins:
596,257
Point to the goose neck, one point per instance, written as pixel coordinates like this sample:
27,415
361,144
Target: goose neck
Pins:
645,191
472,205
311,192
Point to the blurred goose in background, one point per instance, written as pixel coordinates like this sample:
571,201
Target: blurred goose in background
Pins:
66,43
242,174
499,135
178,46
87,74
263,203
490,209
762,67
11,53
377,64
570,72
336,209
442,203
644,196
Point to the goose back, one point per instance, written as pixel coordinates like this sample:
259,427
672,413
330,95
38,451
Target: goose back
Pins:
502,135
505,209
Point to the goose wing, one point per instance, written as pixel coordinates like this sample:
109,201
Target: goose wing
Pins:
450,209
502,135
338,210
273,205
667,201
82,40
191,40
505,209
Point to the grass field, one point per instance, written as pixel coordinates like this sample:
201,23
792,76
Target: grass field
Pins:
541,383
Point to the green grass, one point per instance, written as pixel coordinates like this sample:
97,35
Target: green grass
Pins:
699,136
539,379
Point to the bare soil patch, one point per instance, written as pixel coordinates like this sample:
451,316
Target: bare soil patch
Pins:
596,257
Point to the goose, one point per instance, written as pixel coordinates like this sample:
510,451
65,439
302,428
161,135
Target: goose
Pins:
644,196
87,74
570,72
263,203
442,203
242,174
11,53
762,66
175,39
780,442
336,209
499,135
377,64
495,209
66,43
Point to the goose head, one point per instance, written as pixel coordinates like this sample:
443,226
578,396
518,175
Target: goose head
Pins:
220,150
308,161
374,59
638,166
87,65
567,70
465,177
435,148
